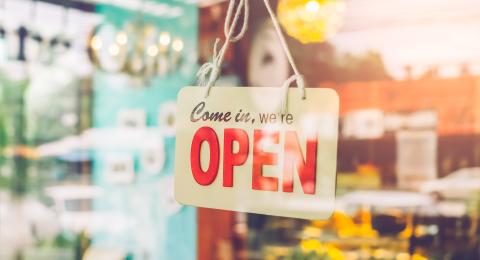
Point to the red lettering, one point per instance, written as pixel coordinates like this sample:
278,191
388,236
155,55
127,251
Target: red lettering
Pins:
294,159
260,158
205,134
231,159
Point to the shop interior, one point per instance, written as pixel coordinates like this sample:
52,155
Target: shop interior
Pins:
88,93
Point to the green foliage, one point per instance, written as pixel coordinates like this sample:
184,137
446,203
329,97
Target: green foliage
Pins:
323,63
13,129
61,240
82,243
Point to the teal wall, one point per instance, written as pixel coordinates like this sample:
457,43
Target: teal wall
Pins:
154,235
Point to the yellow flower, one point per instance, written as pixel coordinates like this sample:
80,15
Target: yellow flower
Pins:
335,253
309,245
312,245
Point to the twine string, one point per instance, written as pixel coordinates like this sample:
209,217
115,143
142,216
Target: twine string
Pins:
210,71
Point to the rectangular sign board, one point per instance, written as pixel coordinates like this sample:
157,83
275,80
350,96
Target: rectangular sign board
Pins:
236,151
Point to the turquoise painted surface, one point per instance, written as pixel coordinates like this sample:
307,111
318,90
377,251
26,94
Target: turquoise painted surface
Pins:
153,233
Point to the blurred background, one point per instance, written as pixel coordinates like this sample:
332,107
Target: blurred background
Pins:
87,127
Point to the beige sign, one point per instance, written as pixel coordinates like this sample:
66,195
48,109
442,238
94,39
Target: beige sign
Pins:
236,151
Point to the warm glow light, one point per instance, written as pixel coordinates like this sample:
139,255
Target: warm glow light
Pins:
96,43
164,38
177,45
121,38
311,20
114,50
312,6
152,50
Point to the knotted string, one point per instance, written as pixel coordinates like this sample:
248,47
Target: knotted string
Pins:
210,71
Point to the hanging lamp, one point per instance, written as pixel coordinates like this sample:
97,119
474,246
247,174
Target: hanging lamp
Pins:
311,21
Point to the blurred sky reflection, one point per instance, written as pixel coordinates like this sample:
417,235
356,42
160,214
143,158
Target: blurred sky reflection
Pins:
411,32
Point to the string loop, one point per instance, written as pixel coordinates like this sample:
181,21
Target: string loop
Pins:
297,76
286,85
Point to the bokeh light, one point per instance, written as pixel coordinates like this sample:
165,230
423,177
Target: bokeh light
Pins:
311,21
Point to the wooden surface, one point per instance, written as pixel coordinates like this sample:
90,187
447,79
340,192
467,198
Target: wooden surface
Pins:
215,234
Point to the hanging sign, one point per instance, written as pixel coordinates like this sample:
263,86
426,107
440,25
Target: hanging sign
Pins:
235,151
